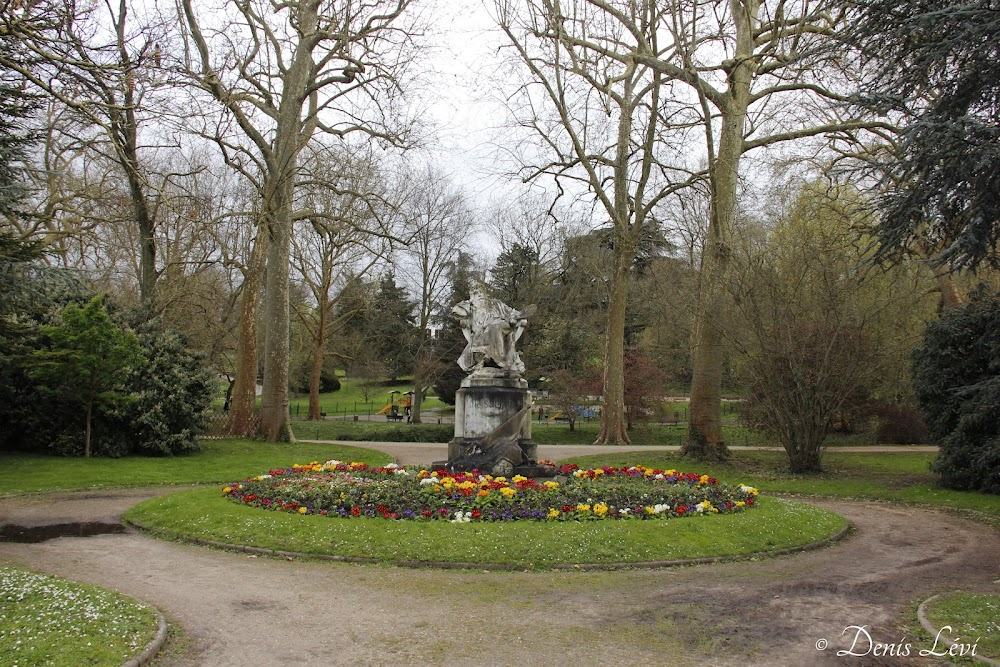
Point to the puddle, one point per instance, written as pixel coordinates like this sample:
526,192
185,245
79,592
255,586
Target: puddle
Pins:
32,534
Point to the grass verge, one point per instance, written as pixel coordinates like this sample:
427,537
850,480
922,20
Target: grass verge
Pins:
45,620
773,524
973,618
218,462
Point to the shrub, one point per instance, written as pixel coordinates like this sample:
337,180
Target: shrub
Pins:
328,382
171,394
956,377
900,425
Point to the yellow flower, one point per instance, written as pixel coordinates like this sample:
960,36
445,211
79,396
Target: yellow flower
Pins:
519,478
600,509
551,485
650,509
740,503
582,508
302,510
508,492
553,513
227,489
703,479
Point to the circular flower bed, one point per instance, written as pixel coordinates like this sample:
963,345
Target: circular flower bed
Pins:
342,489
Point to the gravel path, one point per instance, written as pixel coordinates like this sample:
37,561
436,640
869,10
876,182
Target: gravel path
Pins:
236,609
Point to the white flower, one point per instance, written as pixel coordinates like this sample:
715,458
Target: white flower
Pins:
462,517
333,463
658,475
429,480
660,508
391,466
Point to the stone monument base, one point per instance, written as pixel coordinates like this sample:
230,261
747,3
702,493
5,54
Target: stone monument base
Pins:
493,428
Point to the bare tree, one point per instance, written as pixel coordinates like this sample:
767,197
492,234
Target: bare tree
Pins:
344,237
104,68
817,324
436,220
282,73
594,107
746,75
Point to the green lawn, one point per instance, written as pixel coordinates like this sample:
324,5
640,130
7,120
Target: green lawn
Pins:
773,524
349,399
974,619
45,620
218,462
377,427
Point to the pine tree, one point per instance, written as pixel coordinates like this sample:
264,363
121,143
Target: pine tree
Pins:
936,65
391,329
956,379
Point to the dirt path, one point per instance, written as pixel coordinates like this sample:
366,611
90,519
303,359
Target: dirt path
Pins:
240,610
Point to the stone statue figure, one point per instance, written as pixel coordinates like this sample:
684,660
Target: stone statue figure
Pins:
491,328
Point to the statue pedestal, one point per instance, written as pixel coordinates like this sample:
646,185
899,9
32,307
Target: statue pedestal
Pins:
487,409
484,404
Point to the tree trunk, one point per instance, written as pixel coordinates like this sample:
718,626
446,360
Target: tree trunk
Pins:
804,459
319,356
289,138
274,398
704,437
243,406
418,399
950,296
86,431
613,428
124,125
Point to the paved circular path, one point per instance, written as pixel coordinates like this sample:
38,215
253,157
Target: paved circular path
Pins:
236,609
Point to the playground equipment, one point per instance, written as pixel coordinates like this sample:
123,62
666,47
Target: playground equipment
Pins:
399,405
586,413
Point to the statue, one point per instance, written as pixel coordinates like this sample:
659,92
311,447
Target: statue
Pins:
493,405
491,328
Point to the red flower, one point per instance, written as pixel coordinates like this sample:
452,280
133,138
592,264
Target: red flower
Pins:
568,508
476,514
355,511
427,513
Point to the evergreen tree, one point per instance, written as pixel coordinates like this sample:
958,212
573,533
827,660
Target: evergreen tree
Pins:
956,376
514,274
936,64
85,362
390,327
